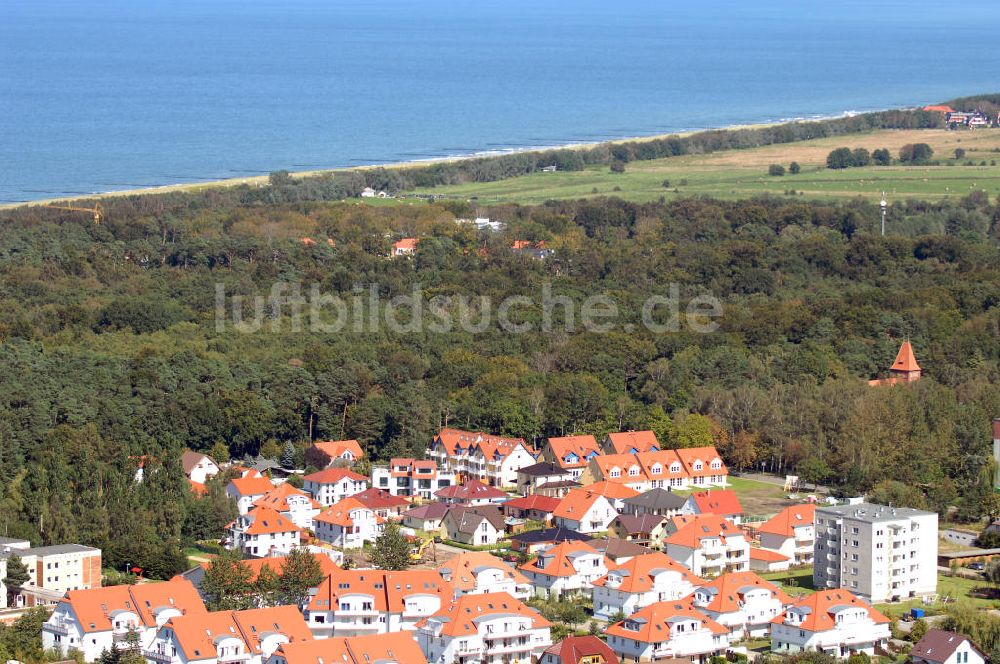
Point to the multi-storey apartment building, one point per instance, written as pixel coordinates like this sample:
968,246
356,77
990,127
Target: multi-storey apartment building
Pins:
413,478
494,460
709,545
880,553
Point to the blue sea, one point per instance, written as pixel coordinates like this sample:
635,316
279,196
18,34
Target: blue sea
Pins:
100,95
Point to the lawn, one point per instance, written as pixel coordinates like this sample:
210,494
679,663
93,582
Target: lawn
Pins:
743,173
796,582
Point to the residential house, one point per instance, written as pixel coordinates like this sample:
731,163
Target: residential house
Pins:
93,620
942,647
904,368
630,442
323,453
659,502
294,504
676,469
248,490
494,627
471,493
413,478
531,477
394,648
532,541
765,560
709,545
722,502
665,631
571,453
836,622
227,636
647,530
579,650
198,467
357,602
429,517
52,570
475,526
792,533
557,488
405,247
262,532
480,572
491,459
640,582
585,511
616,493
565,568
878,552
332,485
532,507
348,524
538,251
383,503
743,602
617,551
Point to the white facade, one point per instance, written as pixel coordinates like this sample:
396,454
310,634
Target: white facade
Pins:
748,613
552,578
328,493
619,591
204,469
683,635
595,517
350,531
877,552
713,556
259,541
798,548
420,482
63,631
854,630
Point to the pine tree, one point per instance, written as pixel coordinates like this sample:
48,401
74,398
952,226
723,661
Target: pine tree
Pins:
391,550
17,576
288,456
300,572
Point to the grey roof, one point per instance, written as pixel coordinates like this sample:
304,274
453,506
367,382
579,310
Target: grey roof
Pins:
938,645
542,469
550,535
57,549
615,548
428,511
558,484
658,499
639,524
870,512
13,542
467,519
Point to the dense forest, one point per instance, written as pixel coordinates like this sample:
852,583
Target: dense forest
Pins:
111,355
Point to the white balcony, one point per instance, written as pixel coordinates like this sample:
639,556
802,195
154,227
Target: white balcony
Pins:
157,656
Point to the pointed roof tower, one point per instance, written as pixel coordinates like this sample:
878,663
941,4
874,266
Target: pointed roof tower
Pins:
905,360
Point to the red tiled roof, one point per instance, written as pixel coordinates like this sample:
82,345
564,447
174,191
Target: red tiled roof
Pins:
392,647
470,490
787,520
624,442
265,521
335,448
720,501
93,606
459,617
557,557
653,625
334,475
379,498
452,438
703,526
277,498
574,648
252,486
641,569
820,614
905,359
534,502
731,587
342,513
575,504
388,590
766,555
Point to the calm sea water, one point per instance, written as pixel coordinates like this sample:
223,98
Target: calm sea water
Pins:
97,95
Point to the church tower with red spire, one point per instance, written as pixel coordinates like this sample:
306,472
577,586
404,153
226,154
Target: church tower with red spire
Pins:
903,370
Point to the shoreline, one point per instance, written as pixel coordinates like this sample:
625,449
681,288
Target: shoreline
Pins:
260,180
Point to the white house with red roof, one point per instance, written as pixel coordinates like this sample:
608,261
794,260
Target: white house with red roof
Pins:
395,648
92,620
579,650
792,533
674,469
248,490
667,630
565,568
533,507
332,485
571,453
472,493
227,636
348,524
357,602
709,545
585,511
383,503
405,247
336,451
641,581
294,504
743,602
722,502
262,532
494,627
836,622
630,442
416,478
491,459
480,572
198,467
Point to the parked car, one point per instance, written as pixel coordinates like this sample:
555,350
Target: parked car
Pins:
979,567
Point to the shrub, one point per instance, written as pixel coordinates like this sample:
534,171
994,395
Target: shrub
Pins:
776,170
794,168
959,153
882,157
666,184
861,157
916,153
618,166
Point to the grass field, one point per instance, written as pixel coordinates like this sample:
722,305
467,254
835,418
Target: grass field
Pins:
743,173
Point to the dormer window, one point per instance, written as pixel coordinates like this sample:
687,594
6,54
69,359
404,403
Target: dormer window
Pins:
675,467
698,465
615,472
656,469
633,471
